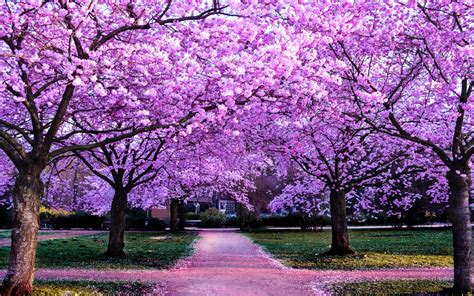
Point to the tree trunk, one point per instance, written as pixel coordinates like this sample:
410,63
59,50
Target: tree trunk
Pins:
340,235
174,215
27,193
117,227
181,215
244,218
459,186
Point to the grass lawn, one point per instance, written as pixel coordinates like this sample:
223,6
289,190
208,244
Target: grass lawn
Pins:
406,287
7,233
374,248
90,288
142,248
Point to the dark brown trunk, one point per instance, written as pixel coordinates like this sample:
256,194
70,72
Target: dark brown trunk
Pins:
181,216
459,186
174,215
244,217
340,235
27,193
117,227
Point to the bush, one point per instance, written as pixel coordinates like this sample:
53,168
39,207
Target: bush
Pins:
192,216
68,220
6,216
135,218
155,224
233,222
213,218
295,220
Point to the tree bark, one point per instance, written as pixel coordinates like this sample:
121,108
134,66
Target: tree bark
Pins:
459,185
181,216
27,193
116,244
340,235
174,215
244,217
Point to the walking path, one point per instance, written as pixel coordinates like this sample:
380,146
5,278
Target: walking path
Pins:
55,234
228,263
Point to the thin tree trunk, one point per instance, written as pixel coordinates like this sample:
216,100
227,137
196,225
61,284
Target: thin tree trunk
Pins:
181,216
340,235
27,192
459,186
244,216
117,228
174,215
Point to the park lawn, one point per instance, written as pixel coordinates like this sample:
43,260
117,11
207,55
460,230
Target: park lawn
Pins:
4,234
374,248
83,288
142,249
399,287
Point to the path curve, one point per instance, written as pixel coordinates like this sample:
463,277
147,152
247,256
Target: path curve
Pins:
228,263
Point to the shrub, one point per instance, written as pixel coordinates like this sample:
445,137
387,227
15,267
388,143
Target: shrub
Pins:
155,224
192,216
134,222
213,218
68,220
136,218
6,216
295,220
233,222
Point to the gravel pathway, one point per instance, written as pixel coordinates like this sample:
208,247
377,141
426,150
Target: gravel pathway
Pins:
228,263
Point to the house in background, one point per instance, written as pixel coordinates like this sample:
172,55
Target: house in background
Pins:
162,213
211,199
197,205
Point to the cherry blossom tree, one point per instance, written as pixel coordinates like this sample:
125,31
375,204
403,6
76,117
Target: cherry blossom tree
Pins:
58,58
343,155
124,166
409,68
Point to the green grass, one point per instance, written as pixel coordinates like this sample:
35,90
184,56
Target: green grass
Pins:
374,248
143,252
90,288
403,287
4,234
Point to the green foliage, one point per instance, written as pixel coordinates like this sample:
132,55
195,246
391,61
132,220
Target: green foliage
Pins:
68,220
294,220
155,225
83,288
145,250
135,218
213,218
4,234
399,287
6,216
375,248
192,216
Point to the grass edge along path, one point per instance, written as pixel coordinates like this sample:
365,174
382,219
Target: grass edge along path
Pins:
6,234
145,250
96,288
393,287
375,249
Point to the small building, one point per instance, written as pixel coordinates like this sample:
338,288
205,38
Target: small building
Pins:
162,213
227,206
199,204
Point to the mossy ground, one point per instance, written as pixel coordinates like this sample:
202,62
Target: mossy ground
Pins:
403,287
374,248
143,251
90,288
